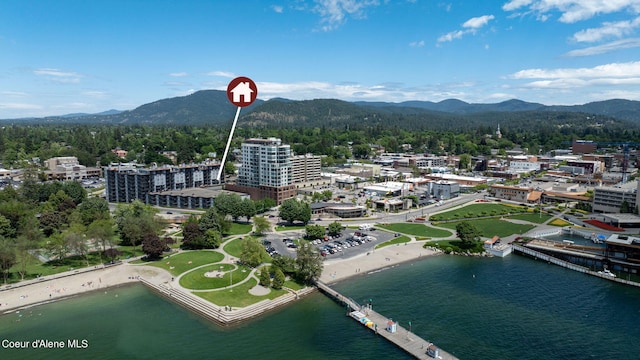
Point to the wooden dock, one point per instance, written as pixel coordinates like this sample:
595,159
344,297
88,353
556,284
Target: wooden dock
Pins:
403,338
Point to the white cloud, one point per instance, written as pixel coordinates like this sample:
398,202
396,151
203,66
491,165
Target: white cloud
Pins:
605,48
470,26
224,74
333,13
451,36
572,10
417,43
478,22
59,76
96,94
179,74
14,93
20,106
602,76
607,30
614,70
176,83
277,8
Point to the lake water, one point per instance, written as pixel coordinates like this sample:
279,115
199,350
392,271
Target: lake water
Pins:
474,308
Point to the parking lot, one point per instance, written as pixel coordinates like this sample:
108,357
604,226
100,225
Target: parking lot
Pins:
348,244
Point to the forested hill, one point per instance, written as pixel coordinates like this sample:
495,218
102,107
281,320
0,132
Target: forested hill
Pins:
211,107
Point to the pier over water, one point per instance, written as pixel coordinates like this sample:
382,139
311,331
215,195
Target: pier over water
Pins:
403,338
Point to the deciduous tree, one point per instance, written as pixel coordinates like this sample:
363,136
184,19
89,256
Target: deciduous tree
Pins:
308,263
314,232
153,246
7,257
260,225
334,228
252,252
467,233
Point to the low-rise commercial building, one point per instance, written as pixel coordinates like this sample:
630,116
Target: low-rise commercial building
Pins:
68,168
609,199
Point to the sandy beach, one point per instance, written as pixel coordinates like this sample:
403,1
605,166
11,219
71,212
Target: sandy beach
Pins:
58,288
342,268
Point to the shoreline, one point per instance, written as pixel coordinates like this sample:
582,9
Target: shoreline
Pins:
338,270
69,286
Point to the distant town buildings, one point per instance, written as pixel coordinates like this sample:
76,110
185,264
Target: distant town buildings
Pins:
68,168
120,153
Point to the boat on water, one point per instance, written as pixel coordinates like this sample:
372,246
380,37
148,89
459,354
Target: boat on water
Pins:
607,272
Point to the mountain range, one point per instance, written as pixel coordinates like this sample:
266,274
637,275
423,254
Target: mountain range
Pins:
211,107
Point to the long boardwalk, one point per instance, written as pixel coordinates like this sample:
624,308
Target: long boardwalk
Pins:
408,341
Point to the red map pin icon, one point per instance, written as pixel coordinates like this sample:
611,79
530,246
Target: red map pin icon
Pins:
242,91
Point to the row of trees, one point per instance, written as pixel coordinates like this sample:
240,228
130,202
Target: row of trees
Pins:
91,143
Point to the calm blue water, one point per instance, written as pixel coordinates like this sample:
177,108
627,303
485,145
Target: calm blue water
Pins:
511,308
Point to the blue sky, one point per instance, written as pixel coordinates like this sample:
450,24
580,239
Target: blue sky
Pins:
67,56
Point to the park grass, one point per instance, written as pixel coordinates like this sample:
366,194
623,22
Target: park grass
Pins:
234,248
490,227
456,246
293,285
289,227
478,210
240,296
130,251
36,268
239,229
417,230
195,280
186,261
398,240
559,222
534,218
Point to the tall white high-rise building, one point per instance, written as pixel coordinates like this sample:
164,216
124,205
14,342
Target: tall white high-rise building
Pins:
265,162
266,170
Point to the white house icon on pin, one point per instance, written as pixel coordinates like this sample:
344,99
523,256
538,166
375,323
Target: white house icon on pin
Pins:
242,91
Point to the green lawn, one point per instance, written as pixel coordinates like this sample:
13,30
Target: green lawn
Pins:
239,229
196,280
234,248
417,230
531,217
293,285
239,296
478,210
289,227
398,240
491,227
187,260
36,267
456,245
